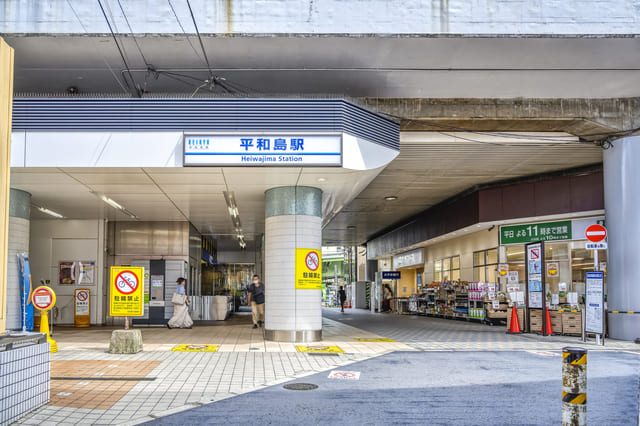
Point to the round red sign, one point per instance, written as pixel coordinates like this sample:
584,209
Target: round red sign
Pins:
42,299
312,261
126,282
596,233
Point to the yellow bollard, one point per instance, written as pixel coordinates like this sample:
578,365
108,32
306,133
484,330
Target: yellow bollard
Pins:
43,298
574,386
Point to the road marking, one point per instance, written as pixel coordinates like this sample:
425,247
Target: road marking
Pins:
544,353
344,375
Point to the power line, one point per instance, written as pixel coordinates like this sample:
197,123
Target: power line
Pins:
115,39
183,31
204,52
126,19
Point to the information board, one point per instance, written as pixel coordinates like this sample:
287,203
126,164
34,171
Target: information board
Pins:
594,306
126,295
535,276
308,269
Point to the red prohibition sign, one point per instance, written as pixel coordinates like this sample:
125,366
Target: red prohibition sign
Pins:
42,299
82,296
312,261
126,282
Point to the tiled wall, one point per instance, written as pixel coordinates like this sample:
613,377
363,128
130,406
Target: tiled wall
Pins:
24,380
18,243
285,307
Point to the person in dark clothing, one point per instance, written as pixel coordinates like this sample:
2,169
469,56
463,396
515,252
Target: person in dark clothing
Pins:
343,298
256,301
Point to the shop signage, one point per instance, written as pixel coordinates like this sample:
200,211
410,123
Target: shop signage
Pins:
552,269
391,275
410,258
308,269
503,269
535,277
594,306
126,296
531,232
513,277
263,150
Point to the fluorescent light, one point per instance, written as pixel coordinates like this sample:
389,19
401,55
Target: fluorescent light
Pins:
50,212
390,198
112,203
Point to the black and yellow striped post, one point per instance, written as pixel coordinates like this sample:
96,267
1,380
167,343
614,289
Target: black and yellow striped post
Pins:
574,386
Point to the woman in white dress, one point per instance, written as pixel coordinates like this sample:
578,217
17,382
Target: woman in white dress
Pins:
180,318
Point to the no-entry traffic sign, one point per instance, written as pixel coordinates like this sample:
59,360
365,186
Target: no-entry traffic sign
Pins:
596,233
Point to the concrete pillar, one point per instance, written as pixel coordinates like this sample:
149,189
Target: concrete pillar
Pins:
293,220
622,204
19,221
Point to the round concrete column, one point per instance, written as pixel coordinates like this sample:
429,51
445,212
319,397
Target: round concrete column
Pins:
622,204
19,218
293,220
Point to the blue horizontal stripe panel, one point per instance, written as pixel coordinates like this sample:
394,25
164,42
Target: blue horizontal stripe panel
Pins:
206,115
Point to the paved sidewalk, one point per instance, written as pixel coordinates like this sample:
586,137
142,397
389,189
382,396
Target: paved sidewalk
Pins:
436,334
120,389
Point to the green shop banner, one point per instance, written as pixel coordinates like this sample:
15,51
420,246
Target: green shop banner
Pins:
531,232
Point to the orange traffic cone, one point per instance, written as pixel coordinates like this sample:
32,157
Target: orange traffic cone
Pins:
549,328
515,323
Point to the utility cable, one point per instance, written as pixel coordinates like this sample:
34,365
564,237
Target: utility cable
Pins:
115,39
204,52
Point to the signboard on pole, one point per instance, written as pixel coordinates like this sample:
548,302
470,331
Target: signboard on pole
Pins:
126,296
535,276
82,308
594,306
308,269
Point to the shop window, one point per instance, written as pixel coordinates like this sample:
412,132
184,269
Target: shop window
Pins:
447,269
485,265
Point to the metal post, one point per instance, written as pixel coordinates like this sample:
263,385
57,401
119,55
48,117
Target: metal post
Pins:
574,386
583,315
126,323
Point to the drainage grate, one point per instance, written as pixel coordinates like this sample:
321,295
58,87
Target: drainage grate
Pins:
300,386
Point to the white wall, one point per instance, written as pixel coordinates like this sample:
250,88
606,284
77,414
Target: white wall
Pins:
464,247
53,241
328,16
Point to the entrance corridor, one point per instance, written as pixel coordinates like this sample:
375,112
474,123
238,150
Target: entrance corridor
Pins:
91,386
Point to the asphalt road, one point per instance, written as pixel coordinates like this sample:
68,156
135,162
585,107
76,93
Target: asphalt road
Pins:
438,388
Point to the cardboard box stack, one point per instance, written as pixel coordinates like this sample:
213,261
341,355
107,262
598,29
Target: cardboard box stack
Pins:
572,323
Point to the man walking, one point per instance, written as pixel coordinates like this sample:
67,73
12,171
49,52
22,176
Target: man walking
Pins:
256,301
343,298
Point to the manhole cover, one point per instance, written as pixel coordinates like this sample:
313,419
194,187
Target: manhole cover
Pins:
300,386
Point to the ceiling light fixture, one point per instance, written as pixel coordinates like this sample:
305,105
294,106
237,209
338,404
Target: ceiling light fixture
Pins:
118,207
232,207
390,198
50,212
322,179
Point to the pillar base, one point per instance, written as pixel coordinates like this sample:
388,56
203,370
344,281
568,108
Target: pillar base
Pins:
303,336
624,326
125,342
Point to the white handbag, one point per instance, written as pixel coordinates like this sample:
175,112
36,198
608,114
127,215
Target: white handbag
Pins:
178,299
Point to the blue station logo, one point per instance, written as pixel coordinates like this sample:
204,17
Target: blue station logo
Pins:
198,144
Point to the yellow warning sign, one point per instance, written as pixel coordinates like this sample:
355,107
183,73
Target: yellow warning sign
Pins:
373,339
196,348
319,349
125,297
308,269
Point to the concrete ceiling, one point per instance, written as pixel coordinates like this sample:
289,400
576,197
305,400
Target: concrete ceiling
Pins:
435,166
353,66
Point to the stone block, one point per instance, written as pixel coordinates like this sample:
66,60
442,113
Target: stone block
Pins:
125,342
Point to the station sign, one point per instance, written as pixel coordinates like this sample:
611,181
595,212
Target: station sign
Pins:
391,275
126,296
308,269
259,150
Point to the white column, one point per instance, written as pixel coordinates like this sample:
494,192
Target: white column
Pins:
622,206
293,220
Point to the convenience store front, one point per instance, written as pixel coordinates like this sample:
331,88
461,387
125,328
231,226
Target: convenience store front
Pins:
478,272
